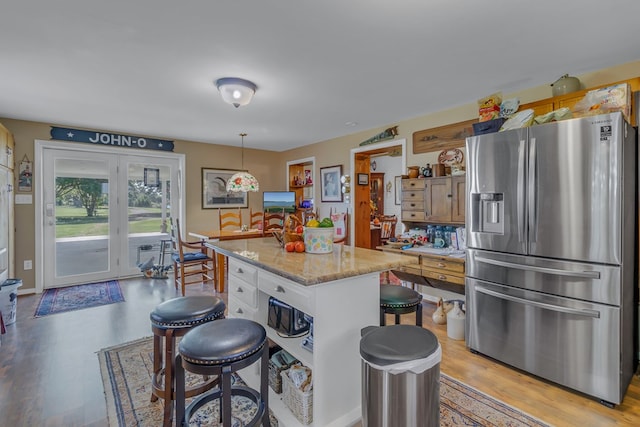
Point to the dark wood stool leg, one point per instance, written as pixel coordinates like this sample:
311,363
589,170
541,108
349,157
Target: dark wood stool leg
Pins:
397,319
225,408
180,391
157,362
264,385
169,380
419,314
382,317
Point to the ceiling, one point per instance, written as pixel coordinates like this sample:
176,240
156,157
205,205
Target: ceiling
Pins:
324,69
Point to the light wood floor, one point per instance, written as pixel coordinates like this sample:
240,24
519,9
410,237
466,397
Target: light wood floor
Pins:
49,374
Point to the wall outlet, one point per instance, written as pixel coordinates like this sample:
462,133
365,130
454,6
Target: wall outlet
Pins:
28,264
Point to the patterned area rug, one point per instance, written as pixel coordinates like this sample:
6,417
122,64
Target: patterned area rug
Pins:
127,370
77,297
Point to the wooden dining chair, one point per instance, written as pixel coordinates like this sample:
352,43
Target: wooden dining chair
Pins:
190,259
273,221
256,219
387,227
229,220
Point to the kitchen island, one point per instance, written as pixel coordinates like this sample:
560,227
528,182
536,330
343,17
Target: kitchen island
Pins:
340,290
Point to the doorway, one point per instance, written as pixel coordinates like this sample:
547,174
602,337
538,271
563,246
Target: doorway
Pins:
102,214
361,158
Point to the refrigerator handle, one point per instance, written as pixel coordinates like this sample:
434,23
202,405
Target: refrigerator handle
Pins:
521,192
533,208
579,312
557,272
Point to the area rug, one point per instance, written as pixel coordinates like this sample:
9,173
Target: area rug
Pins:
127,371
70,298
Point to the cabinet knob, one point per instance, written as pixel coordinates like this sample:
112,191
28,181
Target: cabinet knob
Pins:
413,205
442,277
239,270
239,290
239,311
279,289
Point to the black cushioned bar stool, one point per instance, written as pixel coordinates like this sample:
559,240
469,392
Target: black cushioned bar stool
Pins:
397,300
222,348
171,319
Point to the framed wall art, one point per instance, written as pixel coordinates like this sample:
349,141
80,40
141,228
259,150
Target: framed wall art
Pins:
214,190
330,184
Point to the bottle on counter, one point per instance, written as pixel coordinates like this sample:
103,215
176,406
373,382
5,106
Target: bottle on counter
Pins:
430,233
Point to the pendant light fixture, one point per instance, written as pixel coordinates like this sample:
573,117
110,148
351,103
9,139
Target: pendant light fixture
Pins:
236,91
242,181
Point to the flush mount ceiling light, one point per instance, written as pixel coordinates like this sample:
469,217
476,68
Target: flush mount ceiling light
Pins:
236,91
242,181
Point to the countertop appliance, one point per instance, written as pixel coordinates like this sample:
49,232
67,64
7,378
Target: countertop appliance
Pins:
551,227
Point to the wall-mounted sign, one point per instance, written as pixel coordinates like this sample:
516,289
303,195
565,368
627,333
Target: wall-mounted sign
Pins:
115,140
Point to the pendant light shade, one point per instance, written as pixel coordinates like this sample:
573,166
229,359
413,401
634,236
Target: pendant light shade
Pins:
242,181
236,91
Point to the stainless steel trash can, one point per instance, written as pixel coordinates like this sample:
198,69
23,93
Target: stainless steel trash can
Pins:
400,377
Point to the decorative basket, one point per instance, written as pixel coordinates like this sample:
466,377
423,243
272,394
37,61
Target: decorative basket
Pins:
299,402
279,362
288,234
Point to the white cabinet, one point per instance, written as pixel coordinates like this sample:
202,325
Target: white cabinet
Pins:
6,204
340,309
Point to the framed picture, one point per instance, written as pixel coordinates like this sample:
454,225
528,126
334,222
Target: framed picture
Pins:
151,177
363,179
214,190
330,184
26,175
398,188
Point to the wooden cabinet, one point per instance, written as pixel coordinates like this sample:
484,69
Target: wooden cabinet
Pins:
301,183
438,200
430,267
569,100
376,190
412,207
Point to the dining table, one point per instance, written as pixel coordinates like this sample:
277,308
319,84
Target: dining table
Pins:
217,235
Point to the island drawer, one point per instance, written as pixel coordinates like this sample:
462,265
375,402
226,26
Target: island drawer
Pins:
286,291
244,291
411,269
240,310
240,269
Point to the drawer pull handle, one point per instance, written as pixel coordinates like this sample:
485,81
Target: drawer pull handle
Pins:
239,290
279,289
413,205
441,265
239,270
239,311
442,277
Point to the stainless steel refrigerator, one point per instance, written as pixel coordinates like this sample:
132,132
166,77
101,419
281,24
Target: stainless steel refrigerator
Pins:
551,232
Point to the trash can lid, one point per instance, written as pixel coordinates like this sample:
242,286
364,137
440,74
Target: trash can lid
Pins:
392,344
11,282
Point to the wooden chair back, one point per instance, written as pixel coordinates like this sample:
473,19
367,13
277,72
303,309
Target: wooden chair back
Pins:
273,220
189,259
229,219
387,227
256,220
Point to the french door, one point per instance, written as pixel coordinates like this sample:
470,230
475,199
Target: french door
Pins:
105,216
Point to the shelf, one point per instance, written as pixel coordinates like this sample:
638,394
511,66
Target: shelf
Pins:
292,346
300,186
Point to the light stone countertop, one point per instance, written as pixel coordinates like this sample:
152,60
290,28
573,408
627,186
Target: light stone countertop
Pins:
309,269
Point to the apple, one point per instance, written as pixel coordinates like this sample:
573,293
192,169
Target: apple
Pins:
299,246
290,246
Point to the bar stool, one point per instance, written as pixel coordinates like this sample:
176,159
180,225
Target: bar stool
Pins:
222,348
397,300
171,319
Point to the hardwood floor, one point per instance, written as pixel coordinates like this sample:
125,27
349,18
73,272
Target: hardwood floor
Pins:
49,374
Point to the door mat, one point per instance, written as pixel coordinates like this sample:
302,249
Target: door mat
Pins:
127,370
60,300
